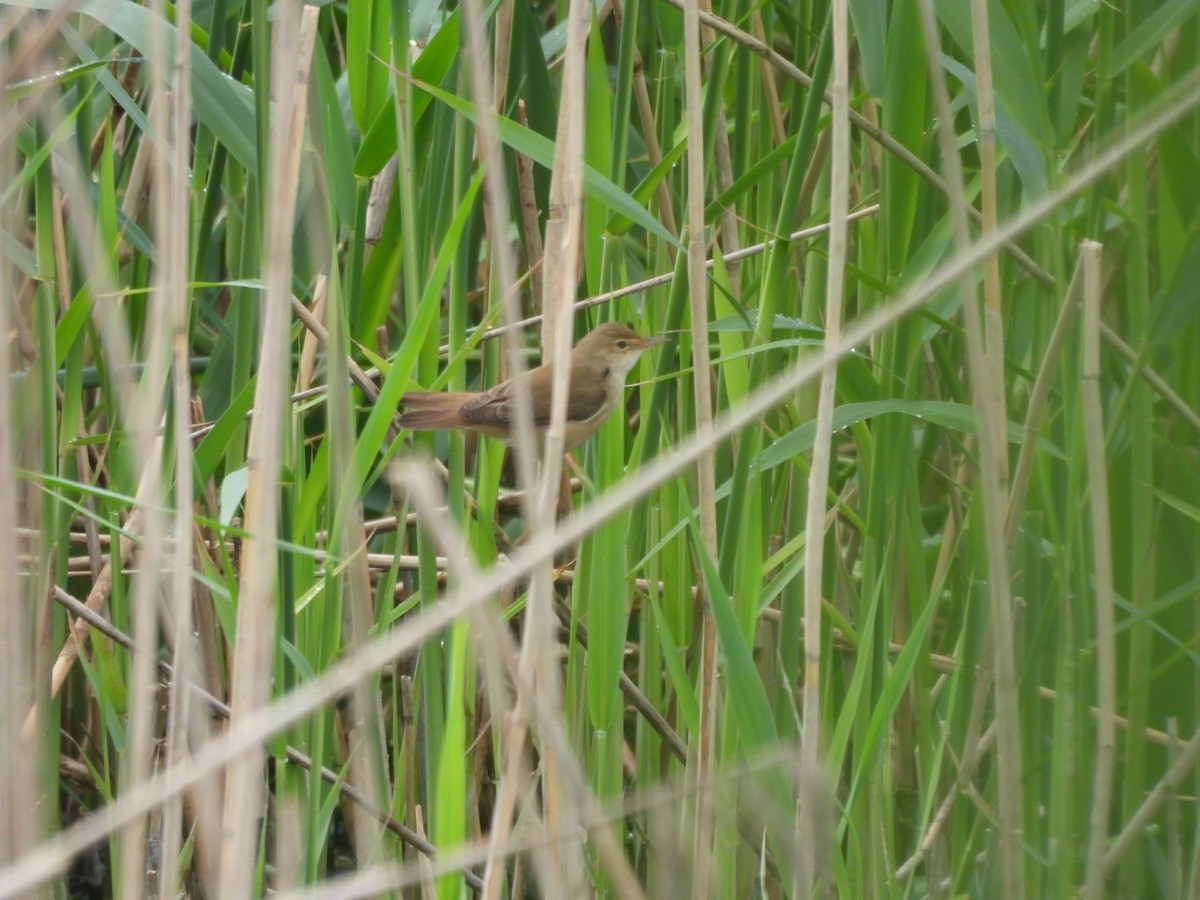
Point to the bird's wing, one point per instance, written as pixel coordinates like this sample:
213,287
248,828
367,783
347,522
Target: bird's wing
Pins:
588,395
498,406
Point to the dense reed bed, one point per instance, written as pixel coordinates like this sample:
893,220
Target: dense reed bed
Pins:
882,583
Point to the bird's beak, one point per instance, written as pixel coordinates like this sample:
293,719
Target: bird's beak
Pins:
651,341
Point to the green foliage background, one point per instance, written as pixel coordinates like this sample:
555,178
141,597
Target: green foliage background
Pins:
148,230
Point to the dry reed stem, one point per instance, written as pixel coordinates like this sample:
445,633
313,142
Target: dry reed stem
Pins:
812,873
992,480
293,36
1106,637
702,762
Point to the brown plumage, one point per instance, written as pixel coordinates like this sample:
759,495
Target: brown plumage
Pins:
599,364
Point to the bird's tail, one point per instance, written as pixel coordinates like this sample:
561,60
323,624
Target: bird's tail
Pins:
431,410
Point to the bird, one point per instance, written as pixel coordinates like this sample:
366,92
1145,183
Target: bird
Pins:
599,364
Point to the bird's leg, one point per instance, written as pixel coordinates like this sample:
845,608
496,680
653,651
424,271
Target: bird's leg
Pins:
564,489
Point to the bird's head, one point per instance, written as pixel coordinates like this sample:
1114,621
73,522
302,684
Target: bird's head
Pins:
613,348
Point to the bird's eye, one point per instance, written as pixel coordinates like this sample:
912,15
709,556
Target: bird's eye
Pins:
621,345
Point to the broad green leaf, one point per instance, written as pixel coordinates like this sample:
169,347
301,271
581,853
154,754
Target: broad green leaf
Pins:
955,416
1150,33
222,104
368,56
870,33
1020,91
379,141
904,99
747,700
21,89
371,437
541,151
